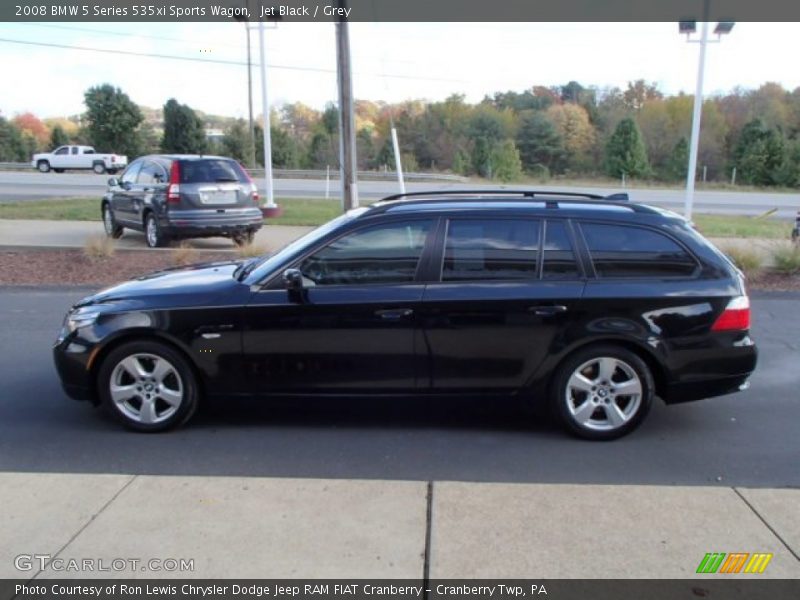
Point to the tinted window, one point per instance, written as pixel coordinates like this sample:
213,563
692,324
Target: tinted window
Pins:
622,251
129,176
63,150
75,150
491,249
211,170
381,254
559,258
151,173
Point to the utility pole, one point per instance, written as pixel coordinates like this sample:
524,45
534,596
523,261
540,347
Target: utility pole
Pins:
252,148
268,193
347,134
696,114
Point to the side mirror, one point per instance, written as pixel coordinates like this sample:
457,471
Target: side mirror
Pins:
293,280
113,182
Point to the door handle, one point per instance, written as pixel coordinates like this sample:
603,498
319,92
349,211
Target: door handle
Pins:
548,310
393,314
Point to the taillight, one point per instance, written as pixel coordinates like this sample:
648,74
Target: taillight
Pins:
174,189
253,187
735,317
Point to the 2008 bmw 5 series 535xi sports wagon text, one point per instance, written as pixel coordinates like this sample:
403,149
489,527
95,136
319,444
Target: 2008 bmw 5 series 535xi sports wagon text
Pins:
593,305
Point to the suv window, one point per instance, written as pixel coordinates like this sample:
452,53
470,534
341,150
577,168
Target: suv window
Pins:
491,249
63,150
381,254
559,257
151,173
129,176
209,170
75,150
625,251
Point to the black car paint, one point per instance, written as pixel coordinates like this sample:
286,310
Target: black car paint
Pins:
425,337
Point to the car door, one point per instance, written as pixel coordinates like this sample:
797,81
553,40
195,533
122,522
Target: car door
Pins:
122,195
353,327
60,158
150,184
507,289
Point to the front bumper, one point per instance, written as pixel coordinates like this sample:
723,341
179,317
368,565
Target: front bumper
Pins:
72,367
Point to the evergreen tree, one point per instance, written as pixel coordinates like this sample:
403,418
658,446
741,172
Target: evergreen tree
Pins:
625,151
506,165
236,141
759,154
58,137
540,143
184,132
678,162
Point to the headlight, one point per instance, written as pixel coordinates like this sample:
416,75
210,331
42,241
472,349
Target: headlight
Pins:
80,318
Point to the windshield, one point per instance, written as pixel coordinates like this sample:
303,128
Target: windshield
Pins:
265,265
209,170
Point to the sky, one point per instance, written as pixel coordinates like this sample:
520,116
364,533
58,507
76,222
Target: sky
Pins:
391,61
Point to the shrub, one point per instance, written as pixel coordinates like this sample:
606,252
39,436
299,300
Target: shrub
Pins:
184,254
99,247
250,250
787,259
748,260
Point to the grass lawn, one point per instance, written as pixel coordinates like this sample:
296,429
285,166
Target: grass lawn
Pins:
722,226
307,211
296,211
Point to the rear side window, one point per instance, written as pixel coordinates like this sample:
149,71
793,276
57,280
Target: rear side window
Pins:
152,173
212,170
559,257
624,251
491,249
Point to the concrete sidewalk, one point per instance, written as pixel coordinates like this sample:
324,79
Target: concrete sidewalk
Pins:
73,234
235,527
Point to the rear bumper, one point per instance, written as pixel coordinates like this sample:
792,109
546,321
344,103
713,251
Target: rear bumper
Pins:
678,393
213,222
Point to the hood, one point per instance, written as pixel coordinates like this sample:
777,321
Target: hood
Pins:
192,285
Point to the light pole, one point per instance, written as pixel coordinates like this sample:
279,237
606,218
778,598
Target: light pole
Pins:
251,150
688,28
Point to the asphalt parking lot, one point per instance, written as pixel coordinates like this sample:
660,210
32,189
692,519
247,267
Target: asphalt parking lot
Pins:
747,439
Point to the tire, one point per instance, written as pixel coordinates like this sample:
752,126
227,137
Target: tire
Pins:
43,166
148,386
113,230
153,234
112,171
586,394
58,170
99,168
244,239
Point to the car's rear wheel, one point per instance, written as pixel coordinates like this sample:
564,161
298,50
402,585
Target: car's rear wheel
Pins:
148,386
602,392
109,224
244,239
43,166
154,235
58,170
99,168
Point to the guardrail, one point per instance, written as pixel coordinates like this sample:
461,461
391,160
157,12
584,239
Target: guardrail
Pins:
307,174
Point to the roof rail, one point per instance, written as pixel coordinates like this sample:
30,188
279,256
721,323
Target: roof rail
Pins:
618,197
523,193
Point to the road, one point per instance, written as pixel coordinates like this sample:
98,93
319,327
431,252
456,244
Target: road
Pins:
747,439
16,185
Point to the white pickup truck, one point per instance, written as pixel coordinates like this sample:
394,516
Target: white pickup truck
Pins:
78,157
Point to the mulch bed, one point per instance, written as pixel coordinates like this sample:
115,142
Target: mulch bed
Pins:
73,267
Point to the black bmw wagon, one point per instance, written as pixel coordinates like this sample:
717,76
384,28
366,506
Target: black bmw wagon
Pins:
594,306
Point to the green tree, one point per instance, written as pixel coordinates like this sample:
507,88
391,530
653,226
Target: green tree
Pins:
58,137
625,151
184,132
236,141
506,165
112,120
678,161
759,156
12,148
540,143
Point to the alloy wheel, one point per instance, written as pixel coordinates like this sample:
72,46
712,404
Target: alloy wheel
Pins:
146,388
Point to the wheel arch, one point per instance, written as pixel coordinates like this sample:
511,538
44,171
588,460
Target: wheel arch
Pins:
140,335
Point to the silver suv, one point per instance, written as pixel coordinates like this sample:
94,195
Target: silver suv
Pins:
183,196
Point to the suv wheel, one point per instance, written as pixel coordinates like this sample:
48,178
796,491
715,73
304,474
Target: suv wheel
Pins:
99,168
244,239
109,224
148,386
602,392
152,232
43,166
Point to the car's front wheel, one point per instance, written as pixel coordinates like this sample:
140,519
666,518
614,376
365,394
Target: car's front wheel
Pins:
109,224
154,235
43,166
148,386
602,392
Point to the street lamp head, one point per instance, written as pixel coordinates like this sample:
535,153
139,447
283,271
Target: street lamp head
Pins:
724,27
687,27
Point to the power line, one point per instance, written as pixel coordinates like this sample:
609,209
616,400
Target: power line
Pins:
212,60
